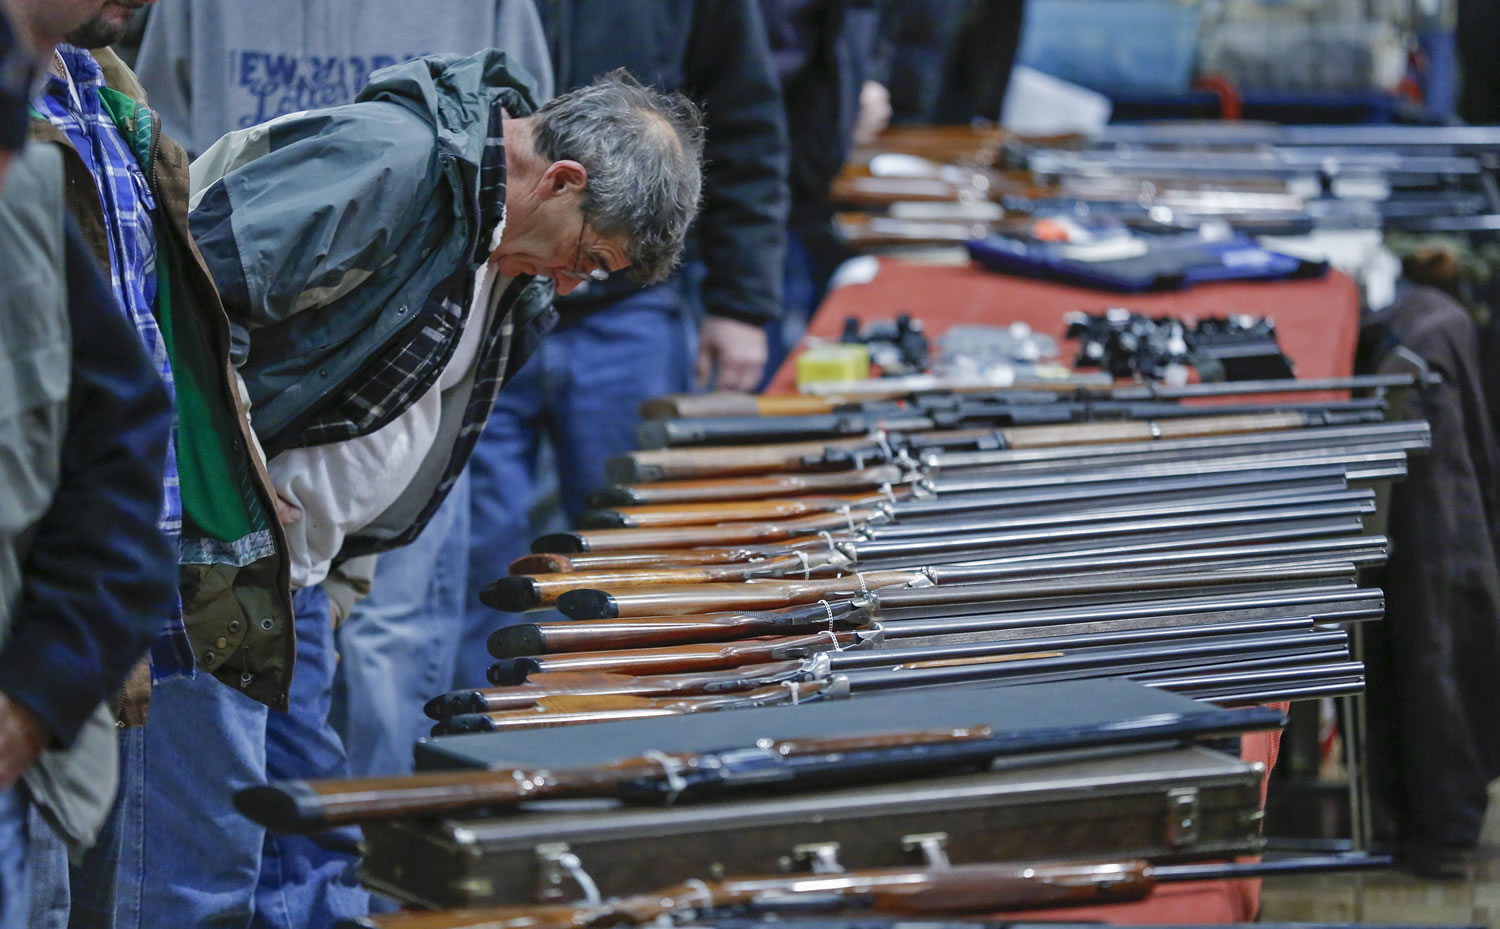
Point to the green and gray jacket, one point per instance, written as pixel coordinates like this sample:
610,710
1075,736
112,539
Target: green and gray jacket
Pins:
234,576
339,237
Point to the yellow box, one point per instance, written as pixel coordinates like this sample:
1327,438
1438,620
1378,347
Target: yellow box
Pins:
836,362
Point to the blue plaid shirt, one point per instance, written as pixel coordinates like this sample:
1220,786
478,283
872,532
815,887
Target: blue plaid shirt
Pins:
125,196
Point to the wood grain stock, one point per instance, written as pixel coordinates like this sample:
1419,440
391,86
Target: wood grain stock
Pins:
724,535
708,598
678,659
707,514
744,488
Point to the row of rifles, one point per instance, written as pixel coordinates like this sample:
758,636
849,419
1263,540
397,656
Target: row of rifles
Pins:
795,551
1205,539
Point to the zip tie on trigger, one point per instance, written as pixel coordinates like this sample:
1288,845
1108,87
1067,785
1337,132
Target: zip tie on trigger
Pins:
702,896
848,516
837,645
828,537
806,565
889,493
829,608
673,770
791,687
571,863
863,589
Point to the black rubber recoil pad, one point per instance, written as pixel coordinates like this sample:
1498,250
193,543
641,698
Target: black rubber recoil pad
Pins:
515,641
606,497
515,594
560,543
508,672
588,604
463,723
624,469
604,519
452,703
288,806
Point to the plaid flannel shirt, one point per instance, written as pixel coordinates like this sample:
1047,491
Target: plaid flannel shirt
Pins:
75,109
401,366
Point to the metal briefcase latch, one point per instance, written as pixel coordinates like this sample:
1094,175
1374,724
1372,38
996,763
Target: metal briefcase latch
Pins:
822,857
560,877
1182,816
932,846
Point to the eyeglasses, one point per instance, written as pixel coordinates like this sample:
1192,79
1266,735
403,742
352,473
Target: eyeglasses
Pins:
593,274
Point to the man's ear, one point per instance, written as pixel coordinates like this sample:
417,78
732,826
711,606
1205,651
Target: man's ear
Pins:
563,177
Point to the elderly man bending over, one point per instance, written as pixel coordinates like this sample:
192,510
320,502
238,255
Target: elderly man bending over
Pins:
384,267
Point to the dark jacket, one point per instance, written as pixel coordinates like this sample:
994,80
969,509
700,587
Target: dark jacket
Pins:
823,50
85,571
236,597
715,52
1433,689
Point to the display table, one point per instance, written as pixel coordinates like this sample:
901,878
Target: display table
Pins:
1317,323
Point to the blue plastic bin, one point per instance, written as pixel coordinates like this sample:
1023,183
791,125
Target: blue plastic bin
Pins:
1113,46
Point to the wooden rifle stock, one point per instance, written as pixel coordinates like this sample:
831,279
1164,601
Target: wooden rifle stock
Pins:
744,488
581,684
558,563
958,586
520,592
960,889
318,805
676,659
707,514
731,403
711,461
592,603
954,890
573,709
657,631
726,534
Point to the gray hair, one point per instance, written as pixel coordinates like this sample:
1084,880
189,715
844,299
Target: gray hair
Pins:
643,150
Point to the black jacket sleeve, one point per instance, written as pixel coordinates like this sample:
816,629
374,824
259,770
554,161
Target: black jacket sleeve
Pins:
741,231
100,575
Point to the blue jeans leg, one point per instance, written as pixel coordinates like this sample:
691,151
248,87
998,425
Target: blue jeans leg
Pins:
501,485
47,868
398,648
191,859
106,885
309,882
15,897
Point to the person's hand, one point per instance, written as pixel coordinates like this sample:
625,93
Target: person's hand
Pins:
22,738
288,513
736,349
874,112
135,696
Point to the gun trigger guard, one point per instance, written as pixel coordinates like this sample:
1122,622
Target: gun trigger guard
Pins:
820,665
923,489
673,771
885,511
841,559
838,686
871,637
924,579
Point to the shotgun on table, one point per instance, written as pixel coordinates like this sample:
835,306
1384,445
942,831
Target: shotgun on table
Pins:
975,624
656,631
712,461
538,685
957,889
977,465
664,778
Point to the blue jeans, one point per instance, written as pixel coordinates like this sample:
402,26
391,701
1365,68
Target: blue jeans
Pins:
581,390
175,852
309,881
398,648
15,897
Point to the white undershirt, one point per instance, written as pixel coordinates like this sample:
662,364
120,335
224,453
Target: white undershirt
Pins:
343,486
